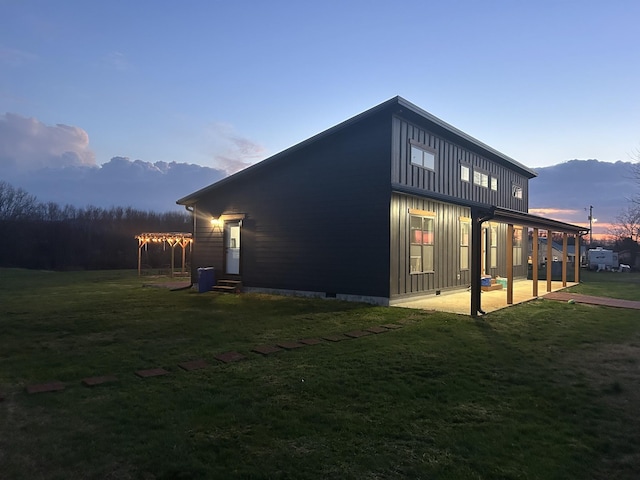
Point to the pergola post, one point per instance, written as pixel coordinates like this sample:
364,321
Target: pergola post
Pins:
172,238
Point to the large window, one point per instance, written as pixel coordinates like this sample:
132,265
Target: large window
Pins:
493,257
517,246
423,157
465,230
421,244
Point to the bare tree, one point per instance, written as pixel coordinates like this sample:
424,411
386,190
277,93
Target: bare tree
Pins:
16,203
628,224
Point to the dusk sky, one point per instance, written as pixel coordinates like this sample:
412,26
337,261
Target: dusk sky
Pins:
226,84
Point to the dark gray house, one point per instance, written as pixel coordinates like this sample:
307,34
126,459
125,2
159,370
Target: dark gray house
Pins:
389,204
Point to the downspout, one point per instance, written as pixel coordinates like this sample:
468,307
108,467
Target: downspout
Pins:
192,210
478,217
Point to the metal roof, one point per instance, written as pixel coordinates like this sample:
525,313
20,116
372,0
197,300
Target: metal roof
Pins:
396,105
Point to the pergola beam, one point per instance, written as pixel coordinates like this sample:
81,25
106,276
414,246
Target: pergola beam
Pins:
171,238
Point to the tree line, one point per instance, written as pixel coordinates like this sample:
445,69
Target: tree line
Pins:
46,235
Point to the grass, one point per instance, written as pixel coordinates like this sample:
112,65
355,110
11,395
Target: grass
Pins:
542,390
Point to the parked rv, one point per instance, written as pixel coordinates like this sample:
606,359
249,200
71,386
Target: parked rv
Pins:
600,259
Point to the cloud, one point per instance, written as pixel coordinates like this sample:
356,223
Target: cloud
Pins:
231,151
116,61
26,144
119,182
14,58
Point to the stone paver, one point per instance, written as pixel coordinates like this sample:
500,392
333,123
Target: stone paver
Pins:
152,372
336,338
358,333
588,299
392,326
228,357
93,381
193,365
45,387
290,345
266,349
311,341
377,329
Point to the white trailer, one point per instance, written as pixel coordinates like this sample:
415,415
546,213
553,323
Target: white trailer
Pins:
601,259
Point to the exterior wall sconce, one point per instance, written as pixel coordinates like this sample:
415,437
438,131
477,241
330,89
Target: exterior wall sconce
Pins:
217,222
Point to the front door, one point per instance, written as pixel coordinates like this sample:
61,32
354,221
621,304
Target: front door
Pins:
232,247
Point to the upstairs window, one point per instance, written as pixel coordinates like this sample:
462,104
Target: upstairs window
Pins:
465,173
480,179
516,191
422,157
494,184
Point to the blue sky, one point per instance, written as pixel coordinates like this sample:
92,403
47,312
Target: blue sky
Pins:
224,84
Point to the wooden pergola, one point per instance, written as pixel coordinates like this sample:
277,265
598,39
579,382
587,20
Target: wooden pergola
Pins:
173,239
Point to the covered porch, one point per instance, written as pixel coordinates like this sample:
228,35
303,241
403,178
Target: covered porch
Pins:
458,301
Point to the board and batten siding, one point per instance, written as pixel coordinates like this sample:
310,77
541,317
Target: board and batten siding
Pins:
316,219
447,273
445,178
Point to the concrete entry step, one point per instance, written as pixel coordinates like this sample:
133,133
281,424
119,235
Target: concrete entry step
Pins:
228,286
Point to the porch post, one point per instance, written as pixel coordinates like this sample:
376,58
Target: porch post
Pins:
534,262
476,261
510,264
565,258
549,258
578,258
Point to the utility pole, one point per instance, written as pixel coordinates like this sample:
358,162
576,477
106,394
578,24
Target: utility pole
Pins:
590,225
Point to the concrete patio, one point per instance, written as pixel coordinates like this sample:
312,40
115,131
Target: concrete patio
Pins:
460,301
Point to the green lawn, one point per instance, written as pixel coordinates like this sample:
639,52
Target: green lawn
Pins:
543,390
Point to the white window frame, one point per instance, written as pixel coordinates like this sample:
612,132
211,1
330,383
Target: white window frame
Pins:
494,184
422,156
419,250
465,173
516,191
480,179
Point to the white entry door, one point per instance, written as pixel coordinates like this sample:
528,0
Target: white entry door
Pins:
232,246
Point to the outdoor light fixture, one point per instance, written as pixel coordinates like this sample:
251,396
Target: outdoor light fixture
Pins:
217,222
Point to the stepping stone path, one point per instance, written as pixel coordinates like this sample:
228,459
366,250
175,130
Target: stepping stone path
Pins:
229,357
152,372
226,357
193,365
93,381
266,349
45,387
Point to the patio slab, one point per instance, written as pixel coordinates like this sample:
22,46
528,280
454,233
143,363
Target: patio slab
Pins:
94,381
392,326
311,341
460,301
228,357
54,386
